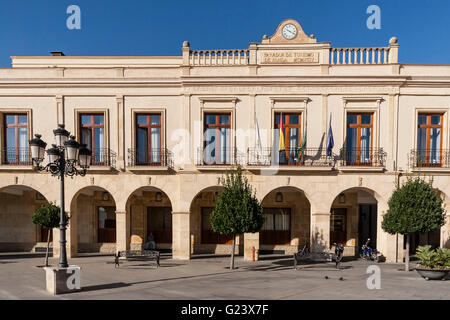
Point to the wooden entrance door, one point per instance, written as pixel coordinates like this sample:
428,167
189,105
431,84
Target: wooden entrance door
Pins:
277,226
367,225
106,224
159,223
338,225
44,234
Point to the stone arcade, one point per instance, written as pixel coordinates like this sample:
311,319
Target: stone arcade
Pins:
164,129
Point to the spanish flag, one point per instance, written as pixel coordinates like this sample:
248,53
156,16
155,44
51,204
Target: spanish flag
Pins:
281,146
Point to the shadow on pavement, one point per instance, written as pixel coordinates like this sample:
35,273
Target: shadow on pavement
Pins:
322,267
23,255
123,284
211,256
146,266
274,257
105,286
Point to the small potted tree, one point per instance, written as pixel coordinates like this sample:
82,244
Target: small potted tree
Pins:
413,207
433,264
47,216
237,209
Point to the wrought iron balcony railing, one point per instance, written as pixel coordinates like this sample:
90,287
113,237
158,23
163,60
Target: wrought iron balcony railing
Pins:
212,156
423,158
370,157
16,156
159,157
103,157
309,157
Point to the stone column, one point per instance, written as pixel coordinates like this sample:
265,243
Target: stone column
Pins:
60,109
393,50
320,231
71,239
391,142
56,250
445,232
325,119
121,152
391,246
122,231
138,227
181,238
251,240
388,246
186,52
253,68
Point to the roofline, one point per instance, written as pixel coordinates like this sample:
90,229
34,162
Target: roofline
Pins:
96,57
425,64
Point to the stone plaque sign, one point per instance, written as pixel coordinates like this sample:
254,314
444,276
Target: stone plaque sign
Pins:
288,57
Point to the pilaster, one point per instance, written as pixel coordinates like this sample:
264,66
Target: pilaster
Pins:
122,231
320,231
251,240
181,244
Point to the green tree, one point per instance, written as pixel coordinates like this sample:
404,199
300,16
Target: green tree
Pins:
237,210
47,216
413,207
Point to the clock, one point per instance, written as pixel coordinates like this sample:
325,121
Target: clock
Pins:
289,31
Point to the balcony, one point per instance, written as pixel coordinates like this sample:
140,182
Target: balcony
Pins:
153,160
215,158
16,158
365,159
291,159
429,159
103,157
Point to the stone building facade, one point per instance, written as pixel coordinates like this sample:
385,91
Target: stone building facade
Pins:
165,128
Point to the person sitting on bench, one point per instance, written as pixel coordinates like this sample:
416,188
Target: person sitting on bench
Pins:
150,244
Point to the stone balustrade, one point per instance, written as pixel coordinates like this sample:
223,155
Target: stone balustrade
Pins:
218,57
380,55
359,55
337,56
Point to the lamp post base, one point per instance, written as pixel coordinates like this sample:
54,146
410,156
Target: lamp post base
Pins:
63,280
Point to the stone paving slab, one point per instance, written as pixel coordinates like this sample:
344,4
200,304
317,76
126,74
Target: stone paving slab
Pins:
209,278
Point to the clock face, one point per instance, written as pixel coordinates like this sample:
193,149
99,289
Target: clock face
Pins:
289,31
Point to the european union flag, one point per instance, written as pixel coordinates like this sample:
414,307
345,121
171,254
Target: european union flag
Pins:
330,141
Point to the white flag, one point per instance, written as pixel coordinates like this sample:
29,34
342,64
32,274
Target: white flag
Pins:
258,145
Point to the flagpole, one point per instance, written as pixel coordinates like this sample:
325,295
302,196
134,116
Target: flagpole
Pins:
257,138
304,138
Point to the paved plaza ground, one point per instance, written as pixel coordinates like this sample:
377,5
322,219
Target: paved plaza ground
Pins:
207,277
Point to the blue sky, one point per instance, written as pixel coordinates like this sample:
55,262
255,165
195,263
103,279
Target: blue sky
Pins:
148,27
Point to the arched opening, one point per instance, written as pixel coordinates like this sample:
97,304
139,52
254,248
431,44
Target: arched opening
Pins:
150,213
94,209
353,220
17,231
203,238
287,221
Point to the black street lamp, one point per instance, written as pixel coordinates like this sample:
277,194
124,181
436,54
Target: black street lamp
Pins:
62,160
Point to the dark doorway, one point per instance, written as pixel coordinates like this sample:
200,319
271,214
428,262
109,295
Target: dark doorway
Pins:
44,234
106,224
431,238
367,225
159,223
338,225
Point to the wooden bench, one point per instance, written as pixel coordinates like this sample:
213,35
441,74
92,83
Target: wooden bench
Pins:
136,255
305,255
